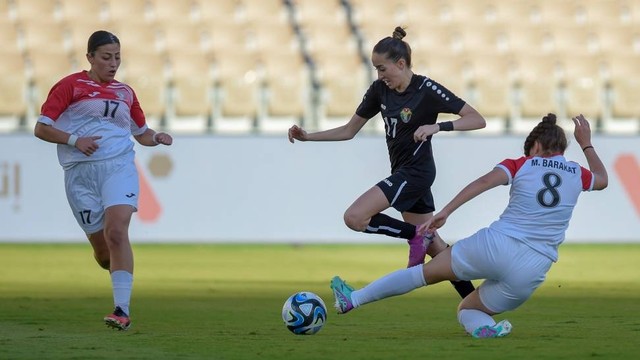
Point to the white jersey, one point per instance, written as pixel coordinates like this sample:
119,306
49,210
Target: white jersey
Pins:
80,106
544,192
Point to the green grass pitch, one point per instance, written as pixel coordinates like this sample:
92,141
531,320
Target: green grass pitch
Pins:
224,302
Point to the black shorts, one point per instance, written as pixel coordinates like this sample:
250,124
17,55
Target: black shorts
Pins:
408,192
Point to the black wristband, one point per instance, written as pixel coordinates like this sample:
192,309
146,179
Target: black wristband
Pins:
446,126
587,147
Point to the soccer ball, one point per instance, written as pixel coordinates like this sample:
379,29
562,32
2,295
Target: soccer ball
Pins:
304,313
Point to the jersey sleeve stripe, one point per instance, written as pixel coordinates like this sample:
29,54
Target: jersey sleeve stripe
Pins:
507,171
45,120
588,179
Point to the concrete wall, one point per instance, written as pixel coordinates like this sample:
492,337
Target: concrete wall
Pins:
264,189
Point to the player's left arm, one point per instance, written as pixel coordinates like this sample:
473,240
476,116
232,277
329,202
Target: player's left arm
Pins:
470,119
152,138
149,137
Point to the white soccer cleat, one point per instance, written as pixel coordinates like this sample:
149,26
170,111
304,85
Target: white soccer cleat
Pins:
501,329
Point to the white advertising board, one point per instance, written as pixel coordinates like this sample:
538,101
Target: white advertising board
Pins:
264,189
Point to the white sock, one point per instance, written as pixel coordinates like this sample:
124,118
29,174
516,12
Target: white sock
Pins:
471,319
122,282
396,283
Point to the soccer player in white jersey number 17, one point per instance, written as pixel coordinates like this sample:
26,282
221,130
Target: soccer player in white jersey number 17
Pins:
92,116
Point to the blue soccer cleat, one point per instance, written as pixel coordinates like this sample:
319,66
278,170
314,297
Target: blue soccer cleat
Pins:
342,294
503,328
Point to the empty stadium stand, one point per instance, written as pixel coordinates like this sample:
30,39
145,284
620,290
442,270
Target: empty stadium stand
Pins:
258,66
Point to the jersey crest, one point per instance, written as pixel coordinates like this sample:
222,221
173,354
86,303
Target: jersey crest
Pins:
405,115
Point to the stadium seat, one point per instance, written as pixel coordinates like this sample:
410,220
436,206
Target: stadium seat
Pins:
287,93
609,12
530,39
220,10
538,80
229,37
137,37
146,73
573,40
271,39
85,11
536,98
621,64
34,10
80,31
453,71
486,39
493,90
168,11
425,42
625,108
363,12
307,11
617,39
39,35
370,32
237,94
493,98
556,13
10,38
7,12
191,92
584,86
253,11
477,13
45,67
342,84
183,36
320,38
584,95
459,43
13,87
131,11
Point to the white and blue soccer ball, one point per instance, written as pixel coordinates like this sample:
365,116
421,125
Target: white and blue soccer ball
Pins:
304,313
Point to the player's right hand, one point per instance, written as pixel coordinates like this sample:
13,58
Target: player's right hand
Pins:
88,145
297,133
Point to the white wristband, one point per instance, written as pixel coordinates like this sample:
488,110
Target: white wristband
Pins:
72,140
155,140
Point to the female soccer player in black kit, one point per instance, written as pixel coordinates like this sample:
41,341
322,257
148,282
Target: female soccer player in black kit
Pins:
410,105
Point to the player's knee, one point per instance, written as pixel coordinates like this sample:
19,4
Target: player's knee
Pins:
436,247
115,235
354,222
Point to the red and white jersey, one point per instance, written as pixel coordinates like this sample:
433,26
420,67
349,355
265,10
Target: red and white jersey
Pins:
80,106
543,194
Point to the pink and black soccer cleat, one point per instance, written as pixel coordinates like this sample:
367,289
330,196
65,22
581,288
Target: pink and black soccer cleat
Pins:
118,319
418,246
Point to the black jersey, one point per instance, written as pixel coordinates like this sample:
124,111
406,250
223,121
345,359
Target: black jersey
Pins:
404,112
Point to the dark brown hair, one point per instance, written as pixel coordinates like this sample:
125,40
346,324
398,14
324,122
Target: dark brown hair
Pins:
549,135
394,47
99,38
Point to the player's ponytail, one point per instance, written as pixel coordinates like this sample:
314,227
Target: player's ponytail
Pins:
550,136
394,47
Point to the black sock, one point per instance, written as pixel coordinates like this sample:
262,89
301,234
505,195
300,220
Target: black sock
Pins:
386,225
463,287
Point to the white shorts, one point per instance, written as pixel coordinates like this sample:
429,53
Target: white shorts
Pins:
511,269
93,186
